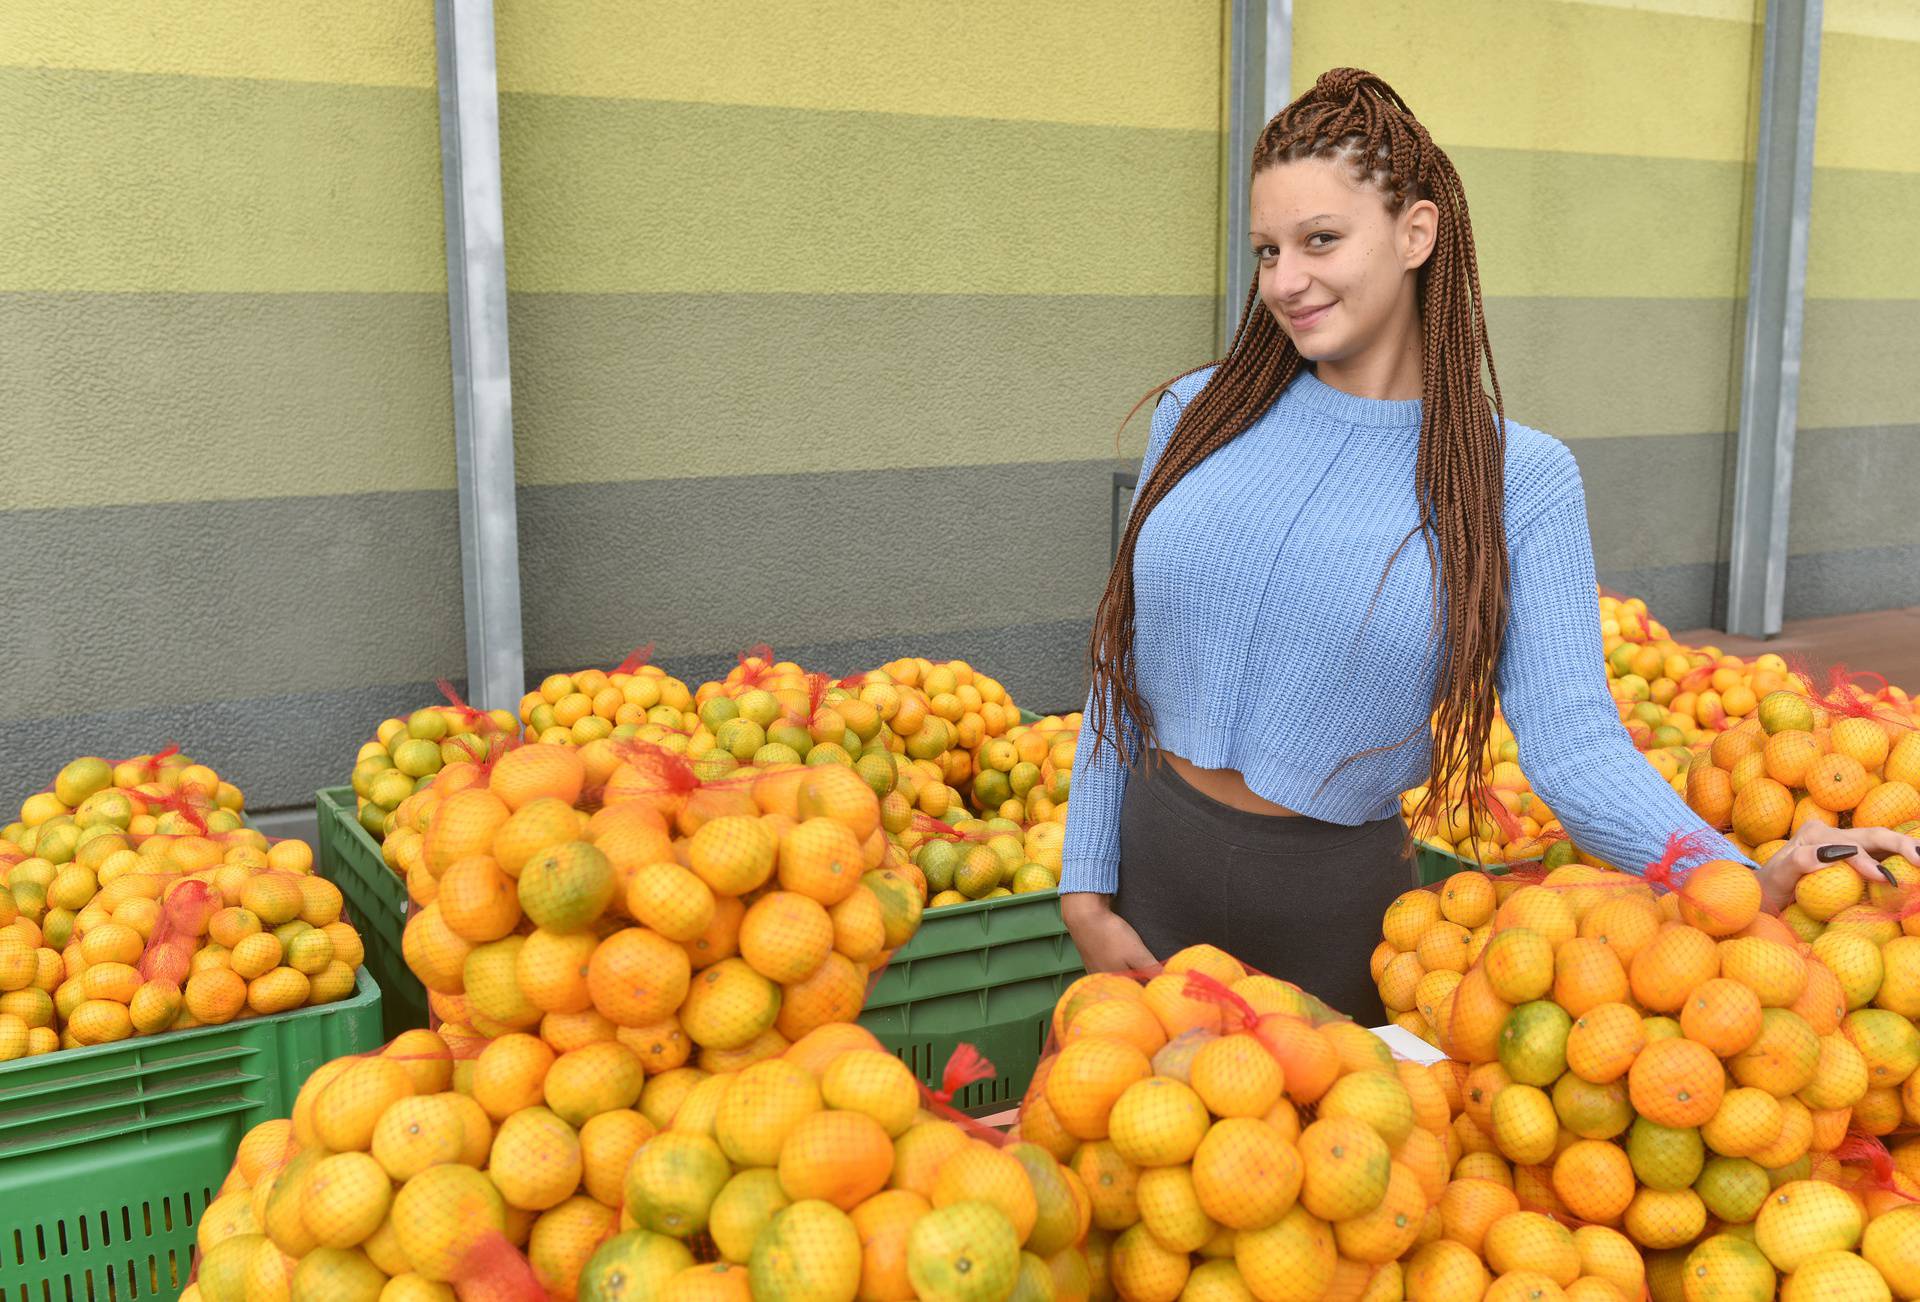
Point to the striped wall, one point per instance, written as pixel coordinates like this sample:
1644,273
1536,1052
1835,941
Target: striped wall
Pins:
1859,429
822,332
228,510
1609,219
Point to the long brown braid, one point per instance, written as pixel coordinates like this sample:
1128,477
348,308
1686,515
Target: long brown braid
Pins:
1459,473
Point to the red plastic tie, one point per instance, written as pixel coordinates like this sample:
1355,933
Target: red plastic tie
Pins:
673,773
1503,818
480,720
1867,1152
756,662
1208,990
182,802
636,658
1845,696
1680,845
966,1066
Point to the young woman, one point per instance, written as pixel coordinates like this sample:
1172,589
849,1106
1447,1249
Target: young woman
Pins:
1340,550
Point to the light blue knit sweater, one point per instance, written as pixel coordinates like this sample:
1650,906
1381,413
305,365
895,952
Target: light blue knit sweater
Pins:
1255,651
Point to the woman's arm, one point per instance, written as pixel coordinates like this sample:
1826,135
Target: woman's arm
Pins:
1090,857
1553,687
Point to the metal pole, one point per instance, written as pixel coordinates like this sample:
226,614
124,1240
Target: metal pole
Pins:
1279,85
1776,309
1259,77
477,322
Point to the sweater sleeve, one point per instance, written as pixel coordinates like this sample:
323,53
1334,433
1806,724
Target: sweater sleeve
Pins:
1090,857
1553,688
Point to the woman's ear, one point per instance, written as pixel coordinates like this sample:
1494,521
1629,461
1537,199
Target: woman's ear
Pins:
1419,226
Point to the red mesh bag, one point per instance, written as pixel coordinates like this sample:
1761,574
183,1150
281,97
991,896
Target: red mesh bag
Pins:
405,755
135,900
502,1170
1656,1057
1234,1133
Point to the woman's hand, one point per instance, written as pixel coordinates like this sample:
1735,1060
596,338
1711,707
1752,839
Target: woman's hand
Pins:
1801,855
1107,942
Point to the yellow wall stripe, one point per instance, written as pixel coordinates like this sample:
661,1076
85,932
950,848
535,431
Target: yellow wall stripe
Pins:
359,42
1140,63
1545,74
1865,116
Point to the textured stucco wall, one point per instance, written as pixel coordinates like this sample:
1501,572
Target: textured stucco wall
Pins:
1607,165
228,510
1859,427
825,339
1603,146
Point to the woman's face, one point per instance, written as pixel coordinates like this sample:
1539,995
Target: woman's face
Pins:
1337,269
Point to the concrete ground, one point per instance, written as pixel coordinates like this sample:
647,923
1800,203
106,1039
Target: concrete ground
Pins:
1884,641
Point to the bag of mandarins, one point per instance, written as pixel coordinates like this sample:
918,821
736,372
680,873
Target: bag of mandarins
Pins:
1238,1138
441,1167
1654,1055
109,888
562,889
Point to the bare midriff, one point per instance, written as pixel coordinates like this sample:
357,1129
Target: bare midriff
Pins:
1225,786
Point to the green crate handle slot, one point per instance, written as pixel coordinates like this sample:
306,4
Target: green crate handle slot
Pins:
377,904
105,1203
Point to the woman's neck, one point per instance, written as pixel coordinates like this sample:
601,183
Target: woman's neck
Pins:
1389,369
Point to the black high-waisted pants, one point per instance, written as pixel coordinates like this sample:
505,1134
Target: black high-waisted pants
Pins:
1294,897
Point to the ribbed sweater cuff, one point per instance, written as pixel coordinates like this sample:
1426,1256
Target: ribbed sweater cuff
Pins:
1100,878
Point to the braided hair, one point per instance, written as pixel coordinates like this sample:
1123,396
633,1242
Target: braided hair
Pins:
1459,472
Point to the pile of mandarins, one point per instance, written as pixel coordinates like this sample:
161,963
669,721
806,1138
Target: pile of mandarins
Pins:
1678,1067
427,1171
1236,1139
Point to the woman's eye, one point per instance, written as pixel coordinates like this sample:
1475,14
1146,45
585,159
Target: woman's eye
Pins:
1328,236
1266,252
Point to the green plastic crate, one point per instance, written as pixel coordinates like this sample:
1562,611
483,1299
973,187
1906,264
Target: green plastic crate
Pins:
109,1155
1438,865
986,974
376,905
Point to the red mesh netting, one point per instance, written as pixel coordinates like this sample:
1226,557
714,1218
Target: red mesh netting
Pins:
134,900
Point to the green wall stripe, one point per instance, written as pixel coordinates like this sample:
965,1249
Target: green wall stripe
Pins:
1586,368
1603,225
109,399
118,607
1860,234
119,181
636,386
626,196
631,196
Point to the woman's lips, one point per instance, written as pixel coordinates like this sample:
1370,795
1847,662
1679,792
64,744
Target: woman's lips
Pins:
1309,319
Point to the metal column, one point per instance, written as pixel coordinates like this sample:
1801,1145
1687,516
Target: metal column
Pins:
1258,73
1776,309
477,317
